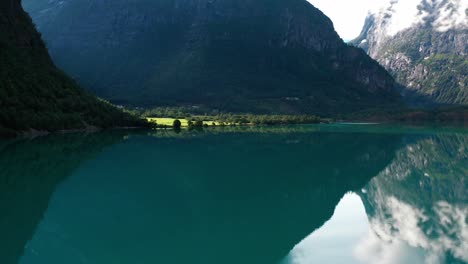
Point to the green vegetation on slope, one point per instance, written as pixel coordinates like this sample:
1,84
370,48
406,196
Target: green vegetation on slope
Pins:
263,56
433,65
443,76
449,78
442,114
34,94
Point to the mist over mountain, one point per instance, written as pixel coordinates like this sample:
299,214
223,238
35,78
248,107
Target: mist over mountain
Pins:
423,44
242,56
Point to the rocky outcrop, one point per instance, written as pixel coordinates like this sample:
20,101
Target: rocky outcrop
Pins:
423,45
225,54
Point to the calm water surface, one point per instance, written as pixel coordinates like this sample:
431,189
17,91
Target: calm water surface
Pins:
287,195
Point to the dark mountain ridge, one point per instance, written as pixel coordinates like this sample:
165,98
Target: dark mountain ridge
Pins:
34,94
242,56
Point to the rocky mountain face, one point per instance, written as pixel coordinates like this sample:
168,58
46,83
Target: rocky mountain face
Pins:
420,200
423,43
247,56
34,94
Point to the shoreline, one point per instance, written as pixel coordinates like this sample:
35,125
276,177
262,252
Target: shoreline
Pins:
32,133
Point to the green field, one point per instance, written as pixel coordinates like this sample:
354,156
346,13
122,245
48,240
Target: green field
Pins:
234,120
166,121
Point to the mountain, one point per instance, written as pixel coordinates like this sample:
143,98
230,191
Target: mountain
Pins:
242,56
424,45
34,94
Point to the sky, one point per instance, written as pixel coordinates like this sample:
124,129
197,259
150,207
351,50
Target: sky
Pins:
347,15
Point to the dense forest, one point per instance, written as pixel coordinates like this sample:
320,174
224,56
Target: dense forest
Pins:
34,94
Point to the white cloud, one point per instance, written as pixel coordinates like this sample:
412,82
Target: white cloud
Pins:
404,14
397,233
347,16
452,14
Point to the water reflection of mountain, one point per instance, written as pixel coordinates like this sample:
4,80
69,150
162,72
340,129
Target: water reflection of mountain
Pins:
420,200
228,198
29,173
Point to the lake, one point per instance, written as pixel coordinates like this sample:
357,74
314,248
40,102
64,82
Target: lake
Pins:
289,195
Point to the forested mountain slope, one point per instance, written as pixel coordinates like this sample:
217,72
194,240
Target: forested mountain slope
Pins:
34,94
242,56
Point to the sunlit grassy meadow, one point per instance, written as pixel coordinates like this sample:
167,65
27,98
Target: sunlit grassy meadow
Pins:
166,121
231,120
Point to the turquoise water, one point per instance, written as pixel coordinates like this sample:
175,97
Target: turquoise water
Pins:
302,194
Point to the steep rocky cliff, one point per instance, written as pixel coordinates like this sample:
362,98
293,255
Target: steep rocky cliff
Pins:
33,92
259,56
424,45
